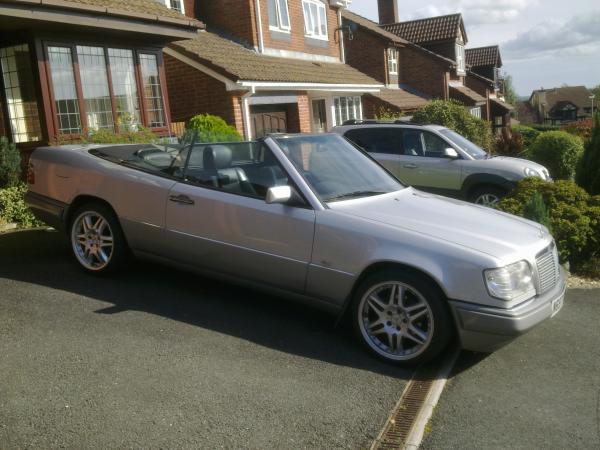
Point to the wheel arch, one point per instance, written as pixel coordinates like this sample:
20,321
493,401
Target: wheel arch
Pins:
479,180
383,265
80,200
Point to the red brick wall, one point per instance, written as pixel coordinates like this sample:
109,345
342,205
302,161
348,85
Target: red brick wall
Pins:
192,92
482,88
190,8
422,72
235,17
299,115
367,53
298,43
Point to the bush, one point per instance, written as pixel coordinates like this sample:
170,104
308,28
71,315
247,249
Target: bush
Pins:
537,211
527,134
13,208
573,216
384,114
213,129
10,163
544,128
103,136
588,172
452,114
559,152
509,143
581,128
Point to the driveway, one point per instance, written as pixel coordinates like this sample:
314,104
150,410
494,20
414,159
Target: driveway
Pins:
156,358
542,391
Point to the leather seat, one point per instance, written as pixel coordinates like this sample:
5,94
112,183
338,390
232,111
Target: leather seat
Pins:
217,162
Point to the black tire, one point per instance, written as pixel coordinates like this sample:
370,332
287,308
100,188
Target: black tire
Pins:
491,192
97,244
440,329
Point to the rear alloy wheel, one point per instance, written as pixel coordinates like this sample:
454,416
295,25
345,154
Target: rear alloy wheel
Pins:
96,239
400,318
488,196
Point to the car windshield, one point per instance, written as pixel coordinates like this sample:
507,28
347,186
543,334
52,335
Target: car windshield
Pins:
335,169
474,150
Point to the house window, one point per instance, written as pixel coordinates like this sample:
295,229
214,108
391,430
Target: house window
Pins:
21,99
65,90
176,5
460,58
392,61
347,108
100,88
475,112
315,19
279,17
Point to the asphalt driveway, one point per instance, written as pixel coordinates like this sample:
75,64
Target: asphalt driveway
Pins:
542,391
156,358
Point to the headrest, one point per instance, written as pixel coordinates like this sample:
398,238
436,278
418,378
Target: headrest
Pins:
216,157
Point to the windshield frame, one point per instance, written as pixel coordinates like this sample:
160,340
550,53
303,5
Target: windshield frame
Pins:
308,189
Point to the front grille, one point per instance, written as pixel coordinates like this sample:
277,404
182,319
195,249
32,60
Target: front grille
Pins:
547,268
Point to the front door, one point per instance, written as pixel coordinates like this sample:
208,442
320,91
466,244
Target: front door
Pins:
319,116
218,219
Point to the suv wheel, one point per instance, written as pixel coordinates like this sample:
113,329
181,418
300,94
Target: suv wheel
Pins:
400,318
488,196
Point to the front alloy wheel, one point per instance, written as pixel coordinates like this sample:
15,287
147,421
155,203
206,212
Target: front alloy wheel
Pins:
400,318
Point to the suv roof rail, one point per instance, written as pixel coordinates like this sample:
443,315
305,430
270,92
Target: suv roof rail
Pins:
380,122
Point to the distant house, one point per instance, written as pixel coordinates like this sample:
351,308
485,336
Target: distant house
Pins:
561,105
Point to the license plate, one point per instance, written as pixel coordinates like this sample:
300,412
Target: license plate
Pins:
557,306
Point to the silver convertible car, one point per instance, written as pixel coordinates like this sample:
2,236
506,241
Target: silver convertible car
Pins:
311,218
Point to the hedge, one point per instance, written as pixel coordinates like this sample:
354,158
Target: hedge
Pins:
559,151
213,129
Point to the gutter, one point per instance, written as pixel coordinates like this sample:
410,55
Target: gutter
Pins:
283,86
246,113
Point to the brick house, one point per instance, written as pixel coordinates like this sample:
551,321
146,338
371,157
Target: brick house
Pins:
73,66
483,76
274,65
412,74
561,105
444,36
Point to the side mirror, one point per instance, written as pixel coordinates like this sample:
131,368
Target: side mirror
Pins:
279,194
450,153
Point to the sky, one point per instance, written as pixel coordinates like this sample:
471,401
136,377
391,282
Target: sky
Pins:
544,43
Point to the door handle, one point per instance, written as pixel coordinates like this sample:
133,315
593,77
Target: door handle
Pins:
183,199
410,166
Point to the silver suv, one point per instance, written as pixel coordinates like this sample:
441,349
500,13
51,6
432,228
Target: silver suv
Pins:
436,159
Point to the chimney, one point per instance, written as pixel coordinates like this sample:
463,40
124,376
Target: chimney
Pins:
388,11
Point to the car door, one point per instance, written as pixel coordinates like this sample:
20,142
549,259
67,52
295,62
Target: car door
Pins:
217,219
382,143
424,164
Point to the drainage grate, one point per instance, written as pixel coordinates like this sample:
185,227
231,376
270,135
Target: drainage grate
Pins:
404,415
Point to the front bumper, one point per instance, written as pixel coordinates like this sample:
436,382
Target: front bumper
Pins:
485,329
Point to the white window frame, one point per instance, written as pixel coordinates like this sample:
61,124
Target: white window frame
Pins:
280,27
460,59
356,112
392,59
475,111
182,2
321,14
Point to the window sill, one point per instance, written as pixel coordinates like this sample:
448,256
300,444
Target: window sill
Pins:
280,30
318,38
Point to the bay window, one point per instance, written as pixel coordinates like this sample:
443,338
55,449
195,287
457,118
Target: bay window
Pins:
279,17
347,108
315,19
19,90
94,87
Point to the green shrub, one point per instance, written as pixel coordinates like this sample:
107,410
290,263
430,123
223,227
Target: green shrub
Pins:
103,136
10,163
528,134
213,129
559,152
588,172
13,208
453,115
537,211
384,114
573,216
544,128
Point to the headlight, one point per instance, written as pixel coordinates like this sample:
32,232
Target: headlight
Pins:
511,282
529,172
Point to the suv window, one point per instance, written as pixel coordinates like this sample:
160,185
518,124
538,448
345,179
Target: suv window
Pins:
423,143
377,140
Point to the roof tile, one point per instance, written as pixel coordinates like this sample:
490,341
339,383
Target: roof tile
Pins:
430,29
484,56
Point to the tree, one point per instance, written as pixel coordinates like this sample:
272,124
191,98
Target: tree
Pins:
588,173
596,92
510,94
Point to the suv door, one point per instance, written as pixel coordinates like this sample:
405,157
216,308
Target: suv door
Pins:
217,218
382,143
424,165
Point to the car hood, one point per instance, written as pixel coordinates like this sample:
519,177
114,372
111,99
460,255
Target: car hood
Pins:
482,229
513,165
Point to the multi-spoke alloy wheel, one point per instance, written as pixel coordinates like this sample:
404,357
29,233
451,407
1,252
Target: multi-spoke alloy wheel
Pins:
96,238
396,320
401,317
487,196
489,200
